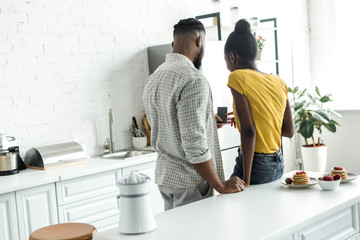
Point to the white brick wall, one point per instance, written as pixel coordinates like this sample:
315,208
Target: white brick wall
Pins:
63,64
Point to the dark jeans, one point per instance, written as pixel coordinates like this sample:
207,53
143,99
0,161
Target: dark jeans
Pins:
265,167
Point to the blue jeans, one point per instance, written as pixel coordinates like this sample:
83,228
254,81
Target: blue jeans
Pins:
265,167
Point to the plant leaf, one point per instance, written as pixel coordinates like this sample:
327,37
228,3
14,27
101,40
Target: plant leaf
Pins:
330,127
302,93
301,113
296,89
321,116
312,98
334,122
317,91
306,128
290,90
325,99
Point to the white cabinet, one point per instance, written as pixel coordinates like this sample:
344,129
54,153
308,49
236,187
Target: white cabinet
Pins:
91,210
36,208
9,225
156,201
341,225
90,199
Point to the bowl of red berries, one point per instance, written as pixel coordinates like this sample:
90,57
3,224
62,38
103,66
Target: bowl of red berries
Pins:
329,182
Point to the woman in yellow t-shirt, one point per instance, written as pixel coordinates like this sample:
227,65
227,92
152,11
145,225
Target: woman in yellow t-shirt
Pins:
262,111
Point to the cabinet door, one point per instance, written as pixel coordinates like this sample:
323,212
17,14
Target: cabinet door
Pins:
341,225
90,210
36,209
81,188
156,201
228,158
8,221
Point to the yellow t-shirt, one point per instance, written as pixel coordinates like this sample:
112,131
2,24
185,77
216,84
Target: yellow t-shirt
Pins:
266,95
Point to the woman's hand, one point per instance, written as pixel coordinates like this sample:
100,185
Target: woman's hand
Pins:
217,120
231,120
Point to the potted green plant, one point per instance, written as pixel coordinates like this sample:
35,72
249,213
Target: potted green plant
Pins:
311,116
260,43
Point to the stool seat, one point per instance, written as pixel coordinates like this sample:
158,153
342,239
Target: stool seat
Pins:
64,231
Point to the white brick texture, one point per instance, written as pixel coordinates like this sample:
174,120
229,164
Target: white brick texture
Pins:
64,63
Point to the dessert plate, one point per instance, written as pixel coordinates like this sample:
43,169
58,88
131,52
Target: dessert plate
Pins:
351,176
313,182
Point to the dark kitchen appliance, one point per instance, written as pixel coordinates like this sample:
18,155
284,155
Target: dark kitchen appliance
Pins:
10,160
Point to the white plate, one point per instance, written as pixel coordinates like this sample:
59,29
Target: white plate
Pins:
313,181
351,176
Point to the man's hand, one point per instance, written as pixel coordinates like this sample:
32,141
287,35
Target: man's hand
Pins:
231,120
234,184
218,125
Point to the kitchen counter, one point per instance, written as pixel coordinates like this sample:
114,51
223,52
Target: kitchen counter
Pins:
268,211
32,178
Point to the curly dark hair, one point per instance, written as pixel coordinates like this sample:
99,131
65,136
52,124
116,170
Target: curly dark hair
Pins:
188,25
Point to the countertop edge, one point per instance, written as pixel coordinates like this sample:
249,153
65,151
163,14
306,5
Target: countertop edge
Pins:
31,178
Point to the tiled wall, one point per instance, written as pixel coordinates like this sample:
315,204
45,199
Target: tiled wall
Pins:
64,63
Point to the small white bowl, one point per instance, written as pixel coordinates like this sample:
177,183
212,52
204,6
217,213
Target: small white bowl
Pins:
329,185
139,142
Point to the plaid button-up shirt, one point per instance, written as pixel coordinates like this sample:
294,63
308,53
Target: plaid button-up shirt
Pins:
178,105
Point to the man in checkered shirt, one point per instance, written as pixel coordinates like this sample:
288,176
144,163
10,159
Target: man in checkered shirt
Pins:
178,105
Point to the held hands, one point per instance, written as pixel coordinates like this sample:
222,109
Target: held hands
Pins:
231,120
234,184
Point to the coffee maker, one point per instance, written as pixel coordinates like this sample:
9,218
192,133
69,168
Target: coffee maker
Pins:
10,160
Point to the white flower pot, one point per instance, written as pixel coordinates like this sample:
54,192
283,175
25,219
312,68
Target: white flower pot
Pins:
314,158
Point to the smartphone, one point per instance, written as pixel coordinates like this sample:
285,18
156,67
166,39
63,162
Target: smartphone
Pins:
221,111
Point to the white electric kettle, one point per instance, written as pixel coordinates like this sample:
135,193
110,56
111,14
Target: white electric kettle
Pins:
135,210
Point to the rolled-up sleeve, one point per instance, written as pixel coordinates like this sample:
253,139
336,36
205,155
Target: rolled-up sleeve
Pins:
193,114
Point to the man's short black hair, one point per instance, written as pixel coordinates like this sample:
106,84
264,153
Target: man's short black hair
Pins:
188,25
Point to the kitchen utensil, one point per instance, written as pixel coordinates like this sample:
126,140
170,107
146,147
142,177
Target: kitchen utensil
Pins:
10,160
147,130
56,155
135,211
136,132
135,122
146,123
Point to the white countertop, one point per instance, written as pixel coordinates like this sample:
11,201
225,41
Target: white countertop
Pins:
267,211
31,177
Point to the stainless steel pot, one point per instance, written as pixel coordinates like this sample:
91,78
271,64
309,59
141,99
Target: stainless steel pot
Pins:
8,161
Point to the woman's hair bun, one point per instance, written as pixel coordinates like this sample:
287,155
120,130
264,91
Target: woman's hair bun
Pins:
242,26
